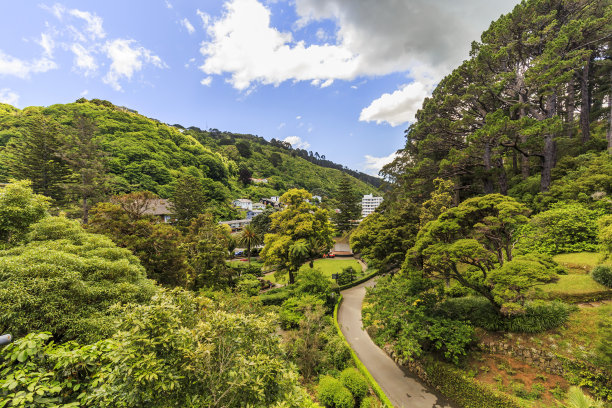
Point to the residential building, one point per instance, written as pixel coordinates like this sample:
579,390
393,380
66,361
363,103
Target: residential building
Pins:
243,203
259,206
259,180
253,213
369,203
159,208
236,225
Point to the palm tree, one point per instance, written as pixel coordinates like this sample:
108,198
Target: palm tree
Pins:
577,399
250,239
298,253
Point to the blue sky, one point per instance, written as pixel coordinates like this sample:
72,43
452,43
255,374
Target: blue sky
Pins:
341,77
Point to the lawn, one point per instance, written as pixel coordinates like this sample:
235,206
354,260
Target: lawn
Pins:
574,284
328,266
580,262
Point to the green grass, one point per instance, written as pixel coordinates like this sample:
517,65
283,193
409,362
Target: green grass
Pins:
574,284
327,266
580,262
244,263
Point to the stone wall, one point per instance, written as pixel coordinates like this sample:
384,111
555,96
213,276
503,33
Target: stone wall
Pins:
544,360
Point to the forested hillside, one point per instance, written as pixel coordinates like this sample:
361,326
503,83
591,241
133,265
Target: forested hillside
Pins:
125,152
527,115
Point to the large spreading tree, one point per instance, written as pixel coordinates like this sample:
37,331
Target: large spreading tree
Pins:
300,222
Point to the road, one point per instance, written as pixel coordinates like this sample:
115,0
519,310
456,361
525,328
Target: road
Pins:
402,388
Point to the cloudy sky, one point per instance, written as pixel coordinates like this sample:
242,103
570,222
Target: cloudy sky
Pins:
341,77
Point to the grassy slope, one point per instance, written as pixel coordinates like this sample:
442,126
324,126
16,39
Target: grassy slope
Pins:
327,266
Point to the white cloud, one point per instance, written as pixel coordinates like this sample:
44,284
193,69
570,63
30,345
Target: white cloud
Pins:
10,65
127,59
168,4
204,17
206,81
281,125
373,38
374,164
47,43
398,107
83,60
188,26
298,117
321,35
85,92
94,23
57,10
8,96
297,142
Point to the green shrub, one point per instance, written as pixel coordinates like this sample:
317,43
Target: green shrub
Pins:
248,284
326,390
603,274
539,316
343,398
292,310
336,354
352,379
347,276
275,297
370,402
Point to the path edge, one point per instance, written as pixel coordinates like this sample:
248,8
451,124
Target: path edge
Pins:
360,366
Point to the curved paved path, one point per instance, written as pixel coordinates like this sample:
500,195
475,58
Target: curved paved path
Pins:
403,389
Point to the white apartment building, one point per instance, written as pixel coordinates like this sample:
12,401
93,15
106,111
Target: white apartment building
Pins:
369,204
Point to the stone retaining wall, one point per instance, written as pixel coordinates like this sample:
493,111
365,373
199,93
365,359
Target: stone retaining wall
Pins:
544,360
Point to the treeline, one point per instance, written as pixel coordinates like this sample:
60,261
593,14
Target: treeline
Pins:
518,114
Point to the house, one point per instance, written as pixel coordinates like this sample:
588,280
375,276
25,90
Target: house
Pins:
316,198
369,203
253,213
159,208
270,201
243,203
259,180
259,206
236,225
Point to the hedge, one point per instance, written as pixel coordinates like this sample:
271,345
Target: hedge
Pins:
358,281
465,391
580,297
375,387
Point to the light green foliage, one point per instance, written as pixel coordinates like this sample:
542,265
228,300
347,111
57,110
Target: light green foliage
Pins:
176,351
370,402
248,284
287,246
352,379
313,282
567,227
604,347
576,398
331,393
441,200
605,233
384,237
65,280
19,209
293,310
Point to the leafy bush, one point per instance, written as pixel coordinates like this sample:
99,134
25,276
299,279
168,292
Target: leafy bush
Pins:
343,398
249,285
370,402
567,227
347,275
603,274
292,310
326,390
352,379
275,296
539,316
66,280
336,353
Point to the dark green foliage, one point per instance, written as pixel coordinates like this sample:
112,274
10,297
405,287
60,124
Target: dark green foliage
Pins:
603,274
403,311
567,227
275,159
37,156
189,199
348,204
244,148
347,276
539,316
66,280
352,379
275,296
293,310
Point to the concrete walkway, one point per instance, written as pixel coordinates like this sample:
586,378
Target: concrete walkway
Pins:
403,389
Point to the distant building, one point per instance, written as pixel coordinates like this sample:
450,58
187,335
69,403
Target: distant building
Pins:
369,203
159,208
243,203
253,213
270,201
259,180
259,206
317,198
236,225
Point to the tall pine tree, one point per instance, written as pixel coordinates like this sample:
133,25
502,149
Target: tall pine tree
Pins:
348,204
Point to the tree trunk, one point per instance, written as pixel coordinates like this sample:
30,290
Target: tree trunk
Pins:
523,139
571,108
291,277
502,178
548,155
487,182
85,211
585,104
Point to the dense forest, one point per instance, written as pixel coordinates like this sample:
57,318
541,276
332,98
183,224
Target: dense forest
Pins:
125,152
495,229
